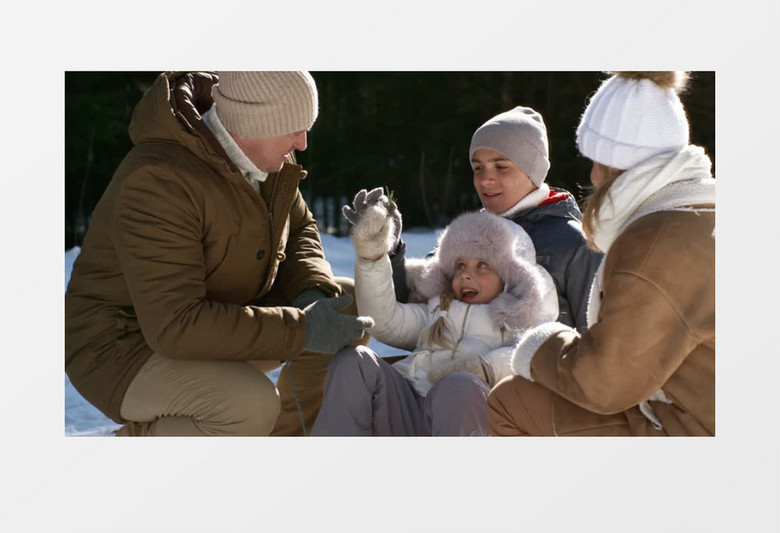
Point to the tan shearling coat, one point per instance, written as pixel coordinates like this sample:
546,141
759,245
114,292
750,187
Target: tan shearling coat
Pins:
182,252
655,330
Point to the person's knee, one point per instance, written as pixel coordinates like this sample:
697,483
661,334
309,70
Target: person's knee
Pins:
461,388
243,402
517,406
348,287
257,408
353,358
461,384
456,405
355,364
506,392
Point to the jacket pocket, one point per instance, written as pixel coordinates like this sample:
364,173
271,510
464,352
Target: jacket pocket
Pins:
242,266
215,258
128,332
127,321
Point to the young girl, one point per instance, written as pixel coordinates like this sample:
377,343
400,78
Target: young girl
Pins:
482,286
646,364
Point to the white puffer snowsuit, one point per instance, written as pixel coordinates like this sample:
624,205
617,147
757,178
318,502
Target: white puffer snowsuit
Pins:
477,330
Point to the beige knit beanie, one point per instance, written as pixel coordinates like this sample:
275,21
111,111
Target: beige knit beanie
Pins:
265,104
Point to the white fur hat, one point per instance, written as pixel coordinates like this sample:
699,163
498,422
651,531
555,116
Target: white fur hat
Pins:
633,117
505,246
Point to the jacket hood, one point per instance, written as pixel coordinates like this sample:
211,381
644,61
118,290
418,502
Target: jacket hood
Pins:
509,250
171,111
565,208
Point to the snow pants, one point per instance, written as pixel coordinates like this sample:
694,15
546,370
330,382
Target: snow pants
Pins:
364,395
193,398
303,380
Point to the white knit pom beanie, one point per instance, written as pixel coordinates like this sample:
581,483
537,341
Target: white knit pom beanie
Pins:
520,135
632,117
265,104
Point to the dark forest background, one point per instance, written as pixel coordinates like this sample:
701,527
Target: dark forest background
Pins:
409,131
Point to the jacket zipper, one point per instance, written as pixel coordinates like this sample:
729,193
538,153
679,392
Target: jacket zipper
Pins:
462,330
274,244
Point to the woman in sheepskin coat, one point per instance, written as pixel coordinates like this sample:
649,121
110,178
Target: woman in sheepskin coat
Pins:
646,364
462,338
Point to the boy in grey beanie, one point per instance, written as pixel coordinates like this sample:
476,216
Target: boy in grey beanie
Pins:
520,135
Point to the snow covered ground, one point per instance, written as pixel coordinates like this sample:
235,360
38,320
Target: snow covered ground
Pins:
83,419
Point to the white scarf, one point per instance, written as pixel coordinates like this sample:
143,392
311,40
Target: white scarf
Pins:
668,182
634,187
251,173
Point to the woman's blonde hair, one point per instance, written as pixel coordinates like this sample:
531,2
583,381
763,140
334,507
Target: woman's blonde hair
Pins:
594,201
439,334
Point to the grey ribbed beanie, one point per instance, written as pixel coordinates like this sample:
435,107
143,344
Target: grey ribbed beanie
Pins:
265,104
520,135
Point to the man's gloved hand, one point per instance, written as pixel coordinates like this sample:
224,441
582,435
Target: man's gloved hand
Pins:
308,297
328,330
364,201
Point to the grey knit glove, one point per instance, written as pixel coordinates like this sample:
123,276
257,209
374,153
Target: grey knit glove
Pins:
328,330
363,201
308,297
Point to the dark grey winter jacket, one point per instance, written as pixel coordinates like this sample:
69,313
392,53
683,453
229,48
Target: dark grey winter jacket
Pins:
556,231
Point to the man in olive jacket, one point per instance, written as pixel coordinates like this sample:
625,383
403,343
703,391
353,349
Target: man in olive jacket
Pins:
203,267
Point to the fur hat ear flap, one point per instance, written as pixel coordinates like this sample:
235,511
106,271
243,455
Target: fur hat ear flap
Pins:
519,306
413,270
425,279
